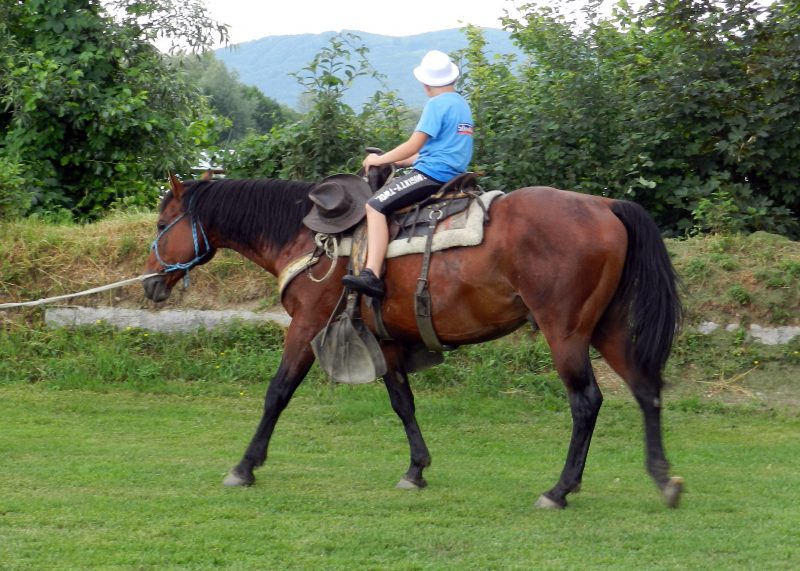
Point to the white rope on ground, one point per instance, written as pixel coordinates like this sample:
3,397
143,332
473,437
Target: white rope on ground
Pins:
71,295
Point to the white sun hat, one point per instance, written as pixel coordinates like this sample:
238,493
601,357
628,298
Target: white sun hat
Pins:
436,69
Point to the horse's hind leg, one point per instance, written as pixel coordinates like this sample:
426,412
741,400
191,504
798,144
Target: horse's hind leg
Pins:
571,358
402,399
647,392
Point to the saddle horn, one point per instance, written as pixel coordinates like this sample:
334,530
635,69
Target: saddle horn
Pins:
378,176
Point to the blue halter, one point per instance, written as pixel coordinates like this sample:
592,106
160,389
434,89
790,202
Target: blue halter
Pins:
198,257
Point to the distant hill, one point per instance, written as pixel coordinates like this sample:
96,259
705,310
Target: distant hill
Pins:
267,63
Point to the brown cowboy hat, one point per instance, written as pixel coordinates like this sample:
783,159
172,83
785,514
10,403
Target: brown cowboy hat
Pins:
338,203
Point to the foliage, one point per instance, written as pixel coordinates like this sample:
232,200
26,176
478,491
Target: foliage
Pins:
247,109
690,108
330,137
14,201
670,106
92,112
184,23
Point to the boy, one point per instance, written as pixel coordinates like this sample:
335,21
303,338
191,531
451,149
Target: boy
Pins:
439,149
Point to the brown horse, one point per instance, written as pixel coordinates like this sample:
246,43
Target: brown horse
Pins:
587,270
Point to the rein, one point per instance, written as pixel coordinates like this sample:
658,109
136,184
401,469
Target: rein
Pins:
198,257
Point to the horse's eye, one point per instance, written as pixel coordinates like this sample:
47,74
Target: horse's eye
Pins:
160,226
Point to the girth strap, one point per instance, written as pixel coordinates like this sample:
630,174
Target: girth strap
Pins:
422,297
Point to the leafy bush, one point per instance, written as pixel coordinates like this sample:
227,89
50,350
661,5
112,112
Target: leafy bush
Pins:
675,105
14,200
691,109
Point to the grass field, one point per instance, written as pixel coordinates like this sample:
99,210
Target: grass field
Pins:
119,466
132,481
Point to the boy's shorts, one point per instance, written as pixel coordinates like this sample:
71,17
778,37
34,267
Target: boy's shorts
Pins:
403,191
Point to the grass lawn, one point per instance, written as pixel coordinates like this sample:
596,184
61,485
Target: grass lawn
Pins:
129,480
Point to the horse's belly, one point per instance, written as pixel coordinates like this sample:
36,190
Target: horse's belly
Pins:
471,296
461,314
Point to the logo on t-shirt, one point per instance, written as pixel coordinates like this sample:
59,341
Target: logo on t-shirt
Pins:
464,129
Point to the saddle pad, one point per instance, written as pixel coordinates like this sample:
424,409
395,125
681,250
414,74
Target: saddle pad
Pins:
462,229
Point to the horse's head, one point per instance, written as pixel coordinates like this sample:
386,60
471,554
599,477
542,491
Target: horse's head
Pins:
181,244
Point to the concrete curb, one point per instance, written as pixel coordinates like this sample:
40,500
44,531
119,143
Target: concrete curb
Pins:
172,321
167,321
765,335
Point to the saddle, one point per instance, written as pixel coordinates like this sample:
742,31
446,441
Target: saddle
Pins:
416,223
454,197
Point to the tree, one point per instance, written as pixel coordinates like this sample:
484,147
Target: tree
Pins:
92,112
674,105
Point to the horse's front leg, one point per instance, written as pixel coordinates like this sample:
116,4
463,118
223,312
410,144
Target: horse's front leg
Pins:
296,361
402,399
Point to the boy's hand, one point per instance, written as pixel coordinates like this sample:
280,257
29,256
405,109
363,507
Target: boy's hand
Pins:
371,160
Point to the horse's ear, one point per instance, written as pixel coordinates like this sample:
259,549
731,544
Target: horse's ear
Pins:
176,186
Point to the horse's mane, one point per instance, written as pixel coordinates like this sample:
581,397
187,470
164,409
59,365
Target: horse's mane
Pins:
250,212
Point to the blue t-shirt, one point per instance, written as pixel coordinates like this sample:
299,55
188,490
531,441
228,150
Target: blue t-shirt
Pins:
447,120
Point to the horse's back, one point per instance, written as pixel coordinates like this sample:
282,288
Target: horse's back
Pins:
551,222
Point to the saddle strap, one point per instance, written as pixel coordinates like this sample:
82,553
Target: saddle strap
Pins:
380,326
422,297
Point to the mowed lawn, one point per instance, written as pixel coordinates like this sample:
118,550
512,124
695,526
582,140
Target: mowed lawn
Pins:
130,480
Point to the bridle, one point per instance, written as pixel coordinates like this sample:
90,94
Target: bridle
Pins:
197,233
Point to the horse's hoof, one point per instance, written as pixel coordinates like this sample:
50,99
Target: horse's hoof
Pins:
406,484
672,491
546,503
234,480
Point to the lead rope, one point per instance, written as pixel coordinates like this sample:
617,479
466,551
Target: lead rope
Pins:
71,295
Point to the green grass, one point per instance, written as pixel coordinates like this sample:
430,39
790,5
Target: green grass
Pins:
241,358
739,278
102,358
113,446
126,480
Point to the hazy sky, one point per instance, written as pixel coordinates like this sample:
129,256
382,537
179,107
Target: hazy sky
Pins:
253,19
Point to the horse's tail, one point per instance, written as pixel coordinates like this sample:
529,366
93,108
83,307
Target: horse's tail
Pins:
648,290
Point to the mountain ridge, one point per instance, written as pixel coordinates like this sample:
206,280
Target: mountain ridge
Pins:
267,62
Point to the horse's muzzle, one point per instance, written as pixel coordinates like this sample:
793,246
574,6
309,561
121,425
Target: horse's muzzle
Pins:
157,288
